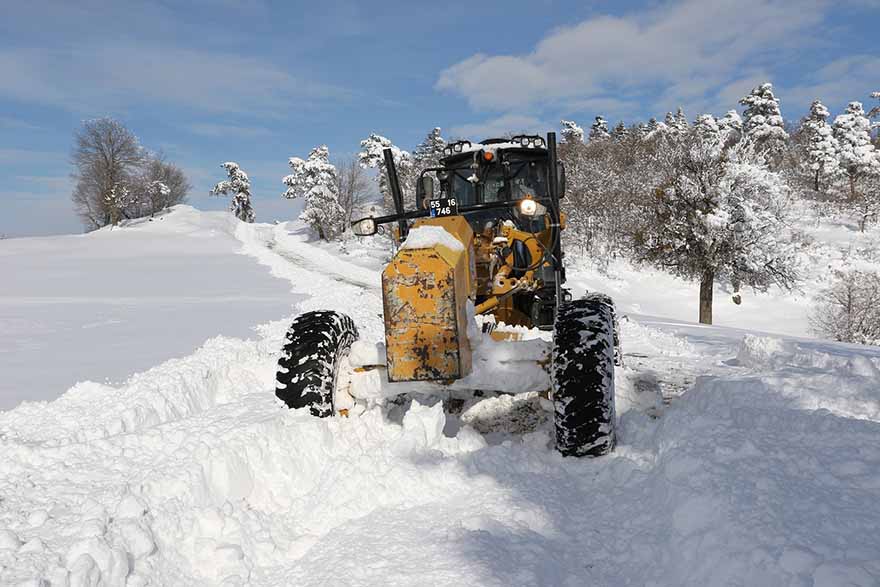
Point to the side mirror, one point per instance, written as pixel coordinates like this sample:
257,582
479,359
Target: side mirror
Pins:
424,189
364,227
560,178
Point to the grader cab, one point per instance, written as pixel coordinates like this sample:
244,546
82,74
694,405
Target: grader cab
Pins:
475,283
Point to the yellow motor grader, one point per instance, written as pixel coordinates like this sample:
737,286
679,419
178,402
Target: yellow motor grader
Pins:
478,268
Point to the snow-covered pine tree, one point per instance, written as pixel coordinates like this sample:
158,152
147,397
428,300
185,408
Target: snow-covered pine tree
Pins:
571,132
239,186
371,157
875,111
822,148
721,216
656,128
429,152
680,121
708,132
859,159
599,130
730,126
620,131
314,179
763,124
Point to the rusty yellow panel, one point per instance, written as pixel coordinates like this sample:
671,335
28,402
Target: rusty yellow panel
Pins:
458,227
425,292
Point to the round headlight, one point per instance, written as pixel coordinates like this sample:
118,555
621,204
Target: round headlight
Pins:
530,207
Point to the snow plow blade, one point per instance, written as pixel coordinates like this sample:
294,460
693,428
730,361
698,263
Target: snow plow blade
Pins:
426,290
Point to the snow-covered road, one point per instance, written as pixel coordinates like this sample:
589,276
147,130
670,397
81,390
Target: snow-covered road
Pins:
763,468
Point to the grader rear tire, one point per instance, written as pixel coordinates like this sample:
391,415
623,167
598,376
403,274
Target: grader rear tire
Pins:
309,363
582,374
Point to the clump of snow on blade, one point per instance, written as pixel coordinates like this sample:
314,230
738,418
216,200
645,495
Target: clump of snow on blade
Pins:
425,237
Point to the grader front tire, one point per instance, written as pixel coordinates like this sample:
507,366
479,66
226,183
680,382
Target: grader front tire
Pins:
582,375
309,363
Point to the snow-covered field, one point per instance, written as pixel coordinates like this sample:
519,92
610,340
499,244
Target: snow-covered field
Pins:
106,305
760,466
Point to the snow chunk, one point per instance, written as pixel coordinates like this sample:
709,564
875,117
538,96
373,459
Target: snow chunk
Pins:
9,540
425,237
37,518
92,558
423,425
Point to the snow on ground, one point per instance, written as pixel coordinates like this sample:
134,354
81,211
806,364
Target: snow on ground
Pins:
761,466
105,305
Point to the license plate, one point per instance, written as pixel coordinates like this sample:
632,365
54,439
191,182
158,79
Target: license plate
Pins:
443,207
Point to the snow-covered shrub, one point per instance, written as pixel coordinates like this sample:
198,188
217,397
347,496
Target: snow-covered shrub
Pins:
239,186
849,310
314,179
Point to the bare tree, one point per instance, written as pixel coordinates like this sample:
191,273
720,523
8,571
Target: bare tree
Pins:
352,186
849,310
106,157
162,185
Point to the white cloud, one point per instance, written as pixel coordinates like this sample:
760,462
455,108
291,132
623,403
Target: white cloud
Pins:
499,126
842,81
208,129
90,78
685,49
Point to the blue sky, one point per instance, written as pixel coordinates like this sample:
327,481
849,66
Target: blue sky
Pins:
257,81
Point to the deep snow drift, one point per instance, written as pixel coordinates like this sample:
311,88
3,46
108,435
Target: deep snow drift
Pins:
743,459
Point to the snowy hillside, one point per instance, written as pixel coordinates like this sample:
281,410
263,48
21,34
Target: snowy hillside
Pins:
743,458
116,301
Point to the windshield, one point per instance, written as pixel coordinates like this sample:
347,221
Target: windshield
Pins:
526,177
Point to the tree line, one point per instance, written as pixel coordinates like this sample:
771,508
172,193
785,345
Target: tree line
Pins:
711,199
708,199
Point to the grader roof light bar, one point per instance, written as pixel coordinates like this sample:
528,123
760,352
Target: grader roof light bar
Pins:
529,141
457,147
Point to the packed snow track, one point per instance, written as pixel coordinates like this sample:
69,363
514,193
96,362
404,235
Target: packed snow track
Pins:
742,459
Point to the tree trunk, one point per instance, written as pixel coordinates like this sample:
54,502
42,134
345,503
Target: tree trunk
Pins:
706,284
817,180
